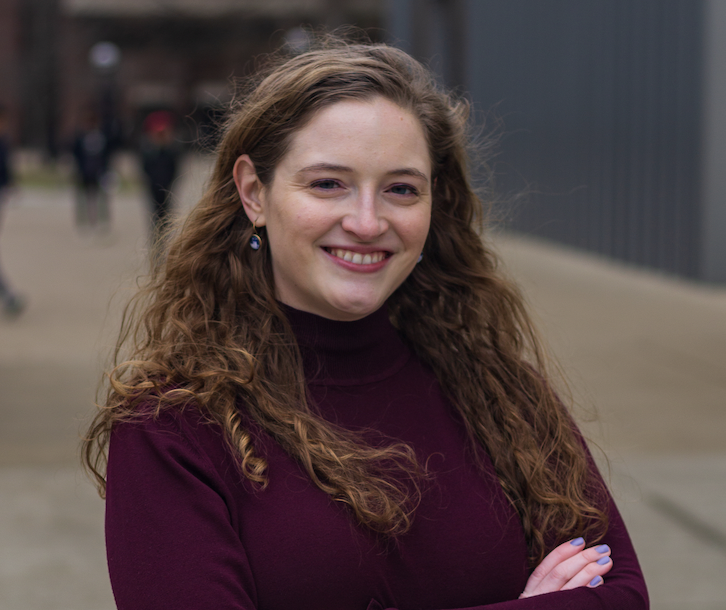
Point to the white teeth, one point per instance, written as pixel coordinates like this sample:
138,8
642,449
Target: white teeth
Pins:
357,258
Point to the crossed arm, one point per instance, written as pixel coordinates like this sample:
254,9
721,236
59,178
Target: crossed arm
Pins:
569,566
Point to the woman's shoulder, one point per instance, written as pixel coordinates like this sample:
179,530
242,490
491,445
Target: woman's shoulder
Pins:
151,414
172,432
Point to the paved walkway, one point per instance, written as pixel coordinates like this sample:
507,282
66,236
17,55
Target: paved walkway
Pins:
648,352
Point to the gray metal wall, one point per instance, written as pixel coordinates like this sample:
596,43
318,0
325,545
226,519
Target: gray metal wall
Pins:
604,117
713,171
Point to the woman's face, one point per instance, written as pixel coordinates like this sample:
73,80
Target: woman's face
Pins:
348,210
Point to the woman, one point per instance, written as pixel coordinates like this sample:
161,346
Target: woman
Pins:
332,398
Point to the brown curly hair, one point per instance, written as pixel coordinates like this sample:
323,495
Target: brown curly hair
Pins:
207,332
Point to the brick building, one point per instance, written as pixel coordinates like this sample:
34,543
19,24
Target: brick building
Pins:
175,54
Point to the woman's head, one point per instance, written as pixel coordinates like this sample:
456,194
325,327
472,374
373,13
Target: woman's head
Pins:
296,98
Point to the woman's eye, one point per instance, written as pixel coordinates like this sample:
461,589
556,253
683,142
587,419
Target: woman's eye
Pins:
403,189
326,185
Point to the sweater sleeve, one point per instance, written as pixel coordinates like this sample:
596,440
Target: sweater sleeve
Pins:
624,587
170,537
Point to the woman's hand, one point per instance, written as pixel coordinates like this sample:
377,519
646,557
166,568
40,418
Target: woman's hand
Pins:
570,565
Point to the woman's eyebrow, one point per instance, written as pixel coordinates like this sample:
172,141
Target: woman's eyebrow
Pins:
331,167
409,171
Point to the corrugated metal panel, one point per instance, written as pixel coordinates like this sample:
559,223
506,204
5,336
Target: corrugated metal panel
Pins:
618,171
601,103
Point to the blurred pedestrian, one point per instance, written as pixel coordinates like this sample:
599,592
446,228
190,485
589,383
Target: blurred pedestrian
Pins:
91,152
12,304
159,159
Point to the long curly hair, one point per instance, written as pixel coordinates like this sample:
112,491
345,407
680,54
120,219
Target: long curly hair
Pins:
207,332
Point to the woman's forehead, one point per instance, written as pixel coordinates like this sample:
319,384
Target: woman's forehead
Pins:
375,132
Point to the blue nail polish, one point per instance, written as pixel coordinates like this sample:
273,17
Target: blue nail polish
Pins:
603,548
603,561
596,581
577,541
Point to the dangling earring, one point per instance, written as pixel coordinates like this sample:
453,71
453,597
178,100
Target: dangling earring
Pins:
420,258
255,240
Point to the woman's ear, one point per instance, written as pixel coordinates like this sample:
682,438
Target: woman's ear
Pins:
250,189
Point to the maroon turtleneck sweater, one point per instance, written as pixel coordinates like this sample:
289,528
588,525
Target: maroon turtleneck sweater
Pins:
185,531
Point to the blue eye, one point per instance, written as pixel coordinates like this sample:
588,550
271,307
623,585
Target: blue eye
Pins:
403,189
326,185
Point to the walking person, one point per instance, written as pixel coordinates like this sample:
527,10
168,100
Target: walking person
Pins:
331,398
91,152
12,304
159,159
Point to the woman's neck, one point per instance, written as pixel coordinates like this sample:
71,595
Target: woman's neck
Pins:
347,353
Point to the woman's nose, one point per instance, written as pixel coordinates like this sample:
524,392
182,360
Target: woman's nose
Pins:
364,219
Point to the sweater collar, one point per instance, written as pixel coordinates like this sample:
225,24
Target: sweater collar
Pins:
347,353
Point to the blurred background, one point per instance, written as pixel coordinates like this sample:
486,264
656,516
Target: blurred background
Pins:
607,122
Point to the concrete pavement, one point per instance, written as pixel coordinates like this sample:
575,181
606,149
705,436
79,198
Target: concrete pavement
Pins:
648,352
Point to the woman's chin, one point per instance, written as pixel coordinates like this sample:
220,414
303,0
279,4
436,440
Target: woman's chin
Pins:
353,309
338,305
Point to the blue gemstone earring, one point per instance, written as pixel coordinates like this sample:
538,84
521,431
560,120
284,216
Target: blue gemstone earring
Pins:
255,240
420,258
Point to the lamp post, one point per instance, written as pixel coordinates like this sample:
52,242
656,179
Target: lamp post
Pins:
105,59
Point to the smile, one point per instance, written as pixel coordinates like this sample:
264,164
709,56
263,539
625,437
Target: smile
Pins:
356,257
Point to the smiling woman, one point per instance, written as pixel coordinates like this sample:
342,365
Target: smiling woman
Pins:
331,399
348,210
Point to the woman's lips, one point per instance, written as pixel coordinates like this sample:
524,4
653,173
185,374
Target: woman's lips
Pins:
357,257
359,261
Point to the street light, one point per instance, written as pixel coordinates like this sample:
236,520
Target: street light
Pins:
105,59
104,56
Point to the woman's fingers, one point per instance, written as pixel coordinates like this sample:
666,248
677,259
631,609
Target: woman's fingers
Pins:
569,566
553,559
592,574
577,568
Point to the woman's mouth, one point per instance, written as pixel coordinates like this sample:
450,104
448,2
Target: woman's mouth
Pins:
357,258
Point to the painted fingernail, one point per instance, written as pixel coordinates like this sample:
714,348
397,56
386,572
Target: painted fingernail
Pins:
596,581
603,561
577,541
603,548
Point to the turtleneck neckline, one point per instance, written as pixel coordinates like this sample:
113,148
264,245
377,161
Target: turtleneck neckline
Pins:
347,353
